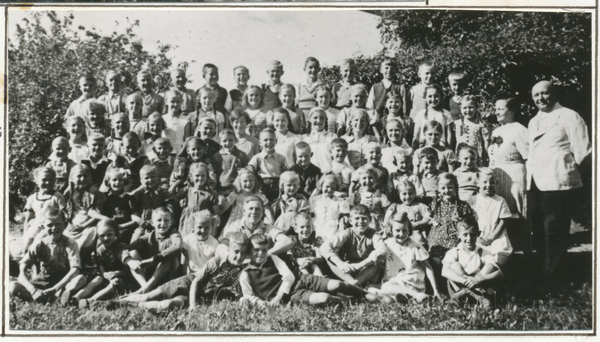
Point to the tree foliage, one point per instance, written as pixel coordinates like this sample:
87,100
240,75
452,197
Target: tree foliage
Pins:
44,63
504,53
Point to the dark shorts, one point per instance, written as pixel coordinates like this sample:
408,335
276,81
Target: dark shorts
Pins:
177,287
306,286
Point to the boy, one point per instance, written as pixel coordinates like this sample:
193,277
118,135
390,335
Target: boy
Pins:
339,165
271,90
162,159
223,103
97,122
458,85
188,96
59,162
228,160
269,281
373,154
114,101
241,75
323,98
56,260
469,267
245,142
96,161
309,173
151,101
87,85
268,164
428,160
355,255
417,101
137,123
404,172
379,91
217,279
154,257
340,92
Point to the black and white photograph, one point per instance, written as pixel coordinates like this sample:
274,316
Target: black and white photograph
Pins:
344,170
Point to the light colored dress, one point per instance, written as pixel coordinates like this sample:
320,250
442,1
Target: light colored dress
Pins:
489,211
402,264
286,145
199,252
78,152
319,145
175,130
356,149
327,214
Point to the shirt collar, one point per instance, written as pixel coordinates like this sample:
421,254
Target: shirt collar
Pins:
386,83
94,165
156,160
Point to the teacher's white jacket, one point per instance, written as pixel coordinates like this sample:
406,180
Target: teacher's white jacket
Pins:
558,143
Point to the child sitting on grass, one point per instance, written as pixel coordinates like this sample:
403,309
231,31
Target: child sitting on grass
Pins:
406,266
154,258
51,264
217,279
470,268
268,281
355,255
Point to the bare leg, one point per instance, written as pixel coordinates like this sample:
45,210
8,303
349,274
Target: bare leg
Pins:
395,288
155,294
75,284
346,277
168,304
89,288
163,270
138,275
105,293
334,286
16,289
322,298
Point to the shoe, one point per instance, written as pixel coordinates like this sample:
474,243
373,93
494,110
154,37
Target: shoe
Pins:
371,298
64,297
400,298
83,303
387,299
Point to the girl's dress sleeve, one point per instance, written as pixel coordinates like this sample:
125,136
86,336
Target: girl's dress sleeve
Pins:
521,142
420,254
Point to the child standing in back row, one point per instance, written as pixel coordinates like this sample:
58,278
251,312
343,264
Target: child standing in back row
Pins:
340,93
458,85
323,98
380,91
188,96
305,96
87,85
222,102
241,75
114,101
152,102
271,89
427,71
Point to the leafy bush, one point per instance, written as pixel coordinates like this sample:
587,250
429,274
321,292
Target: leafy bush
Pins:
44,66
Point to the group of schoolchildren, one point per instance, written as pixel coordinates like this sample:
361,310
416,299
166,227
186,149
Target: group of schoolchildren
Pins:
270,194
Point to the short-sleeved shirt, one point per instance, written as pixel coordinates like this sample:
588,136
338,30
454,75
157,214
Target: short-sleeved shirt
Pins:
352,246
471,261
402,263
268,165
53,260
199,252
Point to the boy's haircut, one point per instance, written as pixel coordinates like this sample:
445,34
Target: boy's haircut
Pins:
399,154
253,198
80,168
95,106
433,125
259,240
194,140
359,89
486,171
172,93
87,77
275,65
245,103
429,153
54,213
110,223
303,215
373,146
241,67
144,73
208,91
406,184
156,116
208,66
204,215
458,75
177,70
338,142
43,169
389,61
132,136
395,121
239,113
227,132
435,86
470,98
311,59
349,62
288,86
327,177
447,176
360,209
163,141
60,139
321,87
267,130
303,146
237,182
135,96
288,176
146,169
161,210
464,147
467,222
116,117
238,238
96,137
111,73
398,217
428,64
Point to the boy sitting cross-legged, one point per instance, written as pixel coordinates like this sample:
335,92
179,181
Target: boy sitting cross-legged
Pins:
217,279
269,281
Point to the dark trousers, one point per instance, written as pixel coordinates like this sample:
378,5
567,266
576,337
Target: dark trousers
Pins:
550,216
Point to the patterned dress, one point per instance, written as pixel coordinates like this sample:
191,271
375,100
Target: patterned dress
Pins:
402,264
447,214
327,213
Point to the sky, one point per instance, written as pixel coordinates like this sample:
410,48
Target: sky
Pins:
250,37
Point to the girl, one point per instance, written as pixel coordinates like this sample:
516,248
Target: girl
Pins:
466,174
245,142
433,132
393,111
84,203
323,98
119,205
286,140
197,197
306,91
433,96
246,184
46,198
194,152
358,98
137,123
287,96
207,130
131,159
327,208
75,126
357,138
179,127
206,108
96,122
394,133
406,262
404,172
417,212
290,201
59,162
156,126
120,126
367,195
469,129
252,103
306,249
319,138
446,210
200,246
